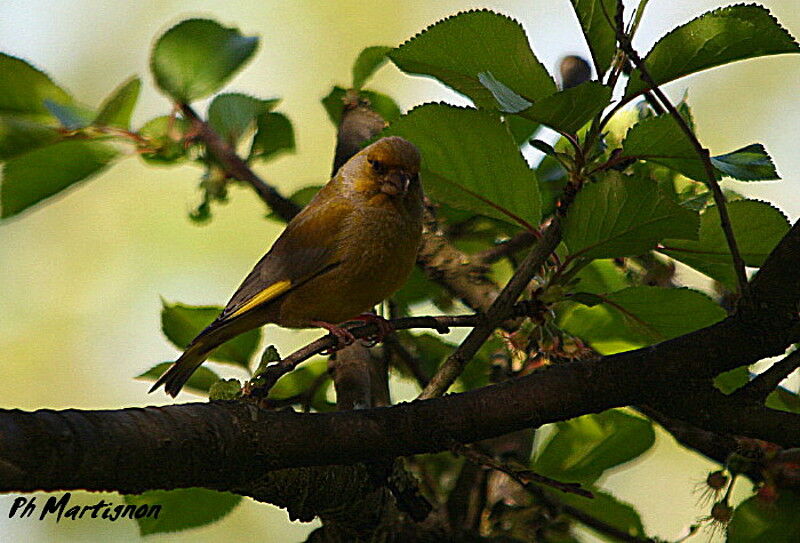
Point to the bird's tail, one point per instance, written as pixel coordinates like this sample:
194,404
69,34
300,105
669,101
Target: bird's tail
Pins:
176,376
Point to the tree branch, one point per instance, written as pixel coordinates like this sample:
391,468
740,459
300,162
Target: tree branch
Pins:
237,168
497,313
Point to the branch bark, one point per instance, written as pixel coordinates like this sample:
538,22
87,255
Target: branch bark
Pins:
228,445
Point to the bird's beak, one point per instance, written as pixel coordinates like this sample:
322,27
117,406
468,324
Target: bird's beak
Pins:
396,183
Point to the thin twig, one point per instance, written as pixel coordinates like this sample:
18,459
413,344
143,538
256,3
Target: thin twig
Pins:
763,384
237,168
719,198
508,247
496,314
523,476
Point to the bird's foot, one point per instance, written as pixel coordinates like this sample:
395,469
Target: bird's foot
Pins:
384,328
342,335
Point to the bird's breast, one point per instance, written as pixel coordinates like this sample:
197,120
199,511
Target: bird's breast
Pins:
376,250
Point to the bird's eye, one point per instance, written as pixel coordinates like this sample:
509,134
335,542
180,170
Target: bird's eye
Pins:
379,167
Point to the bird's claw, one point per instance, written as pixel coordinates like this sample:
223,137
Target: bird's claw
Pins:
384,328
343,336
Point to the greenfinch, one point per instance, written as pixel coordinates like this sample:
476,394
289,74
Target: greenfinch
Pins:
352,246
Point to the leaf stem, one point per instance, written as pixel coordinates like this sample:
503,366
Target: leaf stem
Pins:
719,198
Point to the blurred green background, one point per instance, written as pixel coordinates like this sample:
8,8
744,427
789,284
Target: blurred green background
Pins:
81,276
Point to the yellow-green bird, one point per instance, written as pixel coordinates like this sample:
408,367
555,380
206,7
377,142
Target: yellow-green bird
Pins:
352,246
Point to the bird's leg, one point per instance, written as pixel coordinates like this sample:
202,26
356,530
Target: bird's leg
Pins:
384,327
342,335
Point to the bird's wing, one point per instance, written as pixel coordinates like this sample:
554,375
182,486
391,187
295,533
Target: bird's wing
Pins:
306,249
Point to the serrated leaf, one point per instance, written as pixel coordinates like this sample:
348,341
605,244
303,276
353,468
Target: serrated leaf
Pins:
181,324
756,521
457,49
757,226
196,57
565,111
639,316
623,216
274,136
382,104
117,109
71,116
713,39
661,140
18,136
750,163
368,61
470,161
182,508
46,171
23,90
200,381
581,449
607,509
166,133
232,114
568,110
598,30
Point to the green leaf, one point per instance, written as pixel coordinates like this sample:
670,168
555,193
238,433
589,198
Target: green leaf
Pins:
730,381
607,509
381,104
232,114
71,116
368,61
118,107
755,521
300,380
470,161
599,32
43,172
18,136
601,276
661,140
459,48
640,316
783,400
274,136
200,381
181,324
225,389
750,163
23,90
623,216
713,39
568,110
582,448
182,508
757,226
166,135
196,57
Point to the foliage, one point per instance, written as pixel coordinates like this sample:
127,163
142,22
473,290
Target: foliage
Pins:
626,199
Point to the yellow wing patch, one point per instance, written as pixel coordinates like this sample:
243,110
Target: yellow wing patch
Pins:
269,293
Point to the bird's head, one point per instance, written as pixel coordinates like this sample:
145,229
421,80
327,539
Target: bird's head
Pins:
392,167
